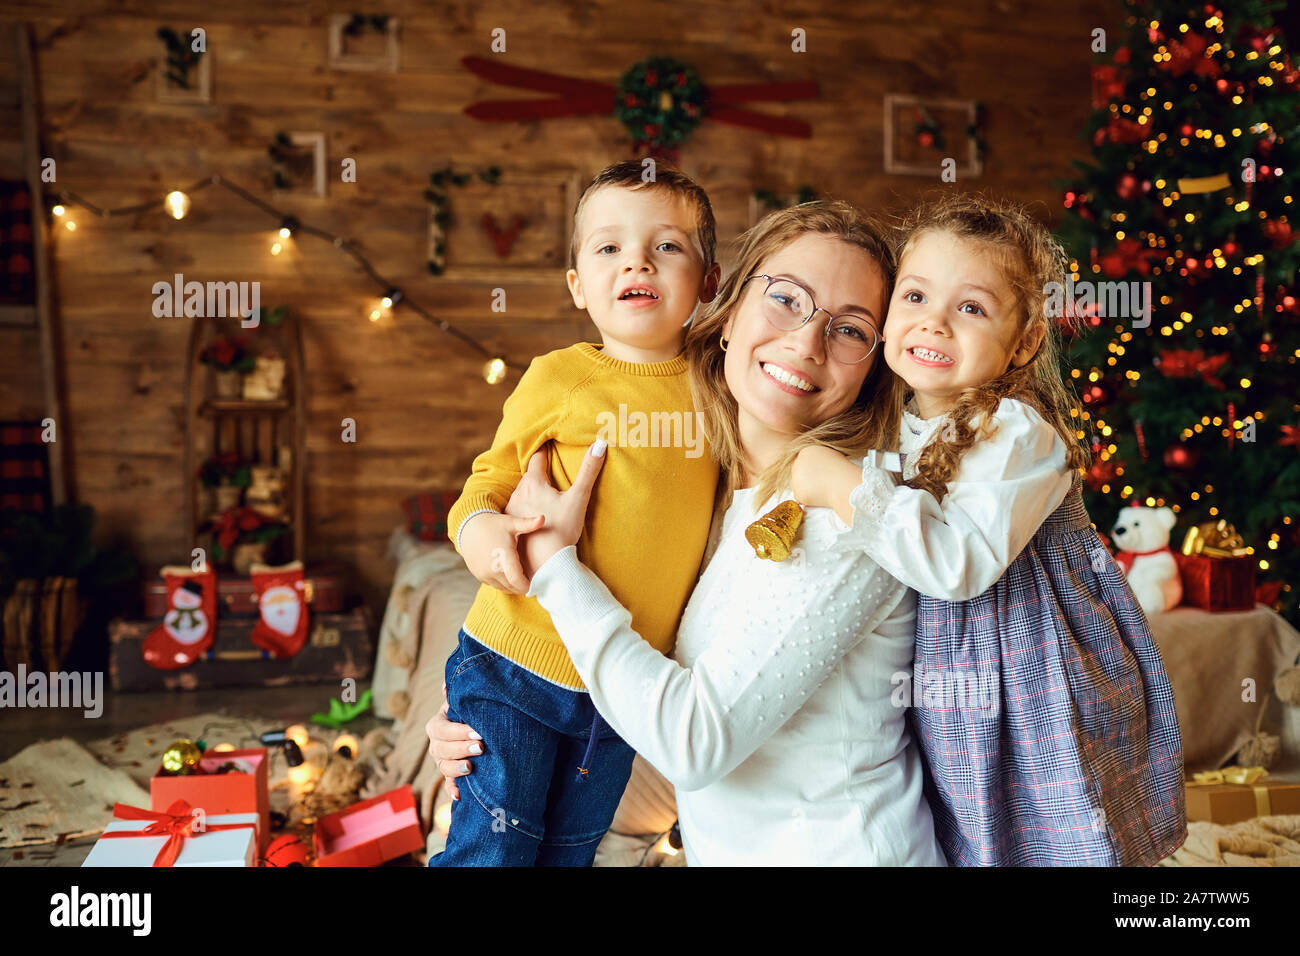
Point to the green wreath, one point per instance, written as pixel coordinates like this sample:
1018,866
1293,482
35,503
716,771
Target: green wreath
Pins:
661,100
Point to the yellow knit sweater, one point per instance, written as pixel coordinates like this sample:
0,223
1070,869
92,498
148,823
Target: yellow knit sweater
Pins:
649,517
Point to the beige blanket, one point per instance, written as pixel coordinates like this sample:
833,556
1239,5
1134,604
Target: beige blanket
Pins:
1264,841
1208,656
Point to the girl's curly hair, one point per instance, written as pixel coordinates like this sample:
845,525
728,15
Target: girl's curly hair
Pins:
1028,258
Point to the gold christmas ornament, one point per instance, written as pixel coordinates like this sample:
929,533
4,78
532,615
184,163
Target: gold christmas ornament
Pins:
774,534
181,757
1214,539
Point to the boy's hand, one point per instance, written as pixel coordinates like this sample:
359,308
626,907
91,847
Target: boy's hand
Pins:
490,545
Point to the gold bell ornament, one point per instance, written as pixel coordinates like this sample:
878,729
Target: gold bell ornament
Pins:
773,535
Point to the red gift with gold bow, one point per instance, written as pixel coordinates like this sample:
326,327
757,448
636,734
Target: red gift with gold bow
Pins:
1217,570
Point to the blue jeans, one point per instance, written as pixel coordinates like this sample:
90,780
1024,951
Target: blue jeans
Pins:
525,803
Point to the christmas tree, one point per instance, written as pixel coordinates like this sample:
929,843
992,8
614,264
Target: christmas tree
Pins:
1191,397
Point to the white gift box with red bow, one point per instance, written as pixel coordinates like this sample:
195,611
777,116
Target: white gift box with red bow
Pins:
176,838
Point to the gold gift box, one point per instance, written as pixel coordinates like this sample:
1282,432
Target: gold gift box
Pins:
1213,797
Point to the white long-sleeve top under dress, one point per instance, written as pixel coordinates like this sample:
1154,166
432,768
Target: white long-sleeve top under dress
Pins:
780,721
1004,489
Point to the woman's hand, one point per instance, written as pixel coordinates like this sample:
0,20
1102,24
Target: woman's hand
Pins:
566,512
450,744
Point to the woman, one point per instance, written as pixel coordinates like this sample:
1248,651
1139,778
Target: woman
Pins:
776,721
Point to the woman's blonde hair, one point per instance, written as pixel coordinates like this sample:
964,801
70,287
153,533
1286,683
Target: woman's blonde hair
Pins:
1028,258
868,423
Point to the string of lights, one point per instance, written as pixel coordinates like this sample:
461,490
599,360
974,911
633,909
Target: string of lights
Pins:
177,204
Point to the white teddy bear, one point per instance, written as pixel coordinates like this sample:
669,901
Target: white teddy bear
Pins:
1142,536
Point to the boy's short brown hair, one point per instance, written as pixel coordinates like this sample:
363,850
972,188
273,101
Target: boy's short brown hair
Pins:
627,174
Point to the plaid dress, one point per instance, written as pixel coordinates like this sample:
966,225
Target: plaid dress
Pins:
1070,753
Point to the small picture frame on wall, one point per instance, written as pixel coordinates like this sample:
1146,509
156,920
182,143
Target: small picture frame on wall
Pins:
921,132
182,74
298,163
517,227
367,42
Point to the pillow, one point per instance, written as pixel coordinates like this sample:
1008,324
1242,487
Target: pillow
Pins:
426,514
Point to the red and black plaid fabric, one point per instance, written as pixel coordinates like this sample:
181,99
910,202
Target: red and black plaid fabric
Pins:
17,275
426,514
24,468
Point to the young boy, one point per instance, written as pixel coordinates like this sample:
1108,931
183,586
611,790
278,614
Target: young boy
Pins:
546,787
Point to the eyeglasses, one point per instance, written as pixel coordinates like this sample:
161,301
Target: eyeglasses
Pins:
788,306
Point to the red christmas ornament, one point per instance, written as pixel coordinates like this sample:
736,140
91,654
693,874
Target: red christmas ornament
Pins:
1128,188
1101,473
1278,232
285,850
1181,458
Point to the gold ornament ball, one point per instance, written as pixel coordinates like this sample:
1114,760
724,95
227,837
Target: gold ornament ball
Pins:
181,757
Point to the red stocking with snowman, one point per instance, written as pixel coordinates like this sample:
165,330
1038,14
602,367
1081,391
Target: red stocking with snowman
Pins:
281,628
187,629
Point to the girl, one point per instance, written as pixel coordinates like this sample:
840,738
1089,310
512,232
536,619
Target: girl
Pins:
1039,699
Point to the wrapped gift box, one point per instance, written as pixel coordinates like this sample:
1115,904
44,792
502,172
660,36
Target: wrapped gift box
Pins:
1217,584
1234,802
235,846
370,832
221,792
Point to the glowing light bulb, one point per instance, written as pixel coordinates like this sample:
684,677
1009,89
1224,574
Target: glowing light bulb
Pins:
177,204
71,226
276,248
663,846
442,818
386,302
495,371
285,232
59,210
298,734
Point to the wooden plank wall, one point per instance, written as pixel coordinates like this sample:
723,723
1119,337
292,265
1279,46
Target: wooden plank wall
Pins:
422,407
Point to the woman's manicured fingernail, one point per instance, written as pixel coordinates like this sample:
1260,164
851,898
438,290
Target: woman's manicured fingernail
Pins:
464,766
474,735
475,749
598,447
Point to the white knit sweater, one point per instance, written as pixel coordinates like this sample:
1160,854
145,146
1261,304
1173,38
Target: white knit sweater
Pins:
779,720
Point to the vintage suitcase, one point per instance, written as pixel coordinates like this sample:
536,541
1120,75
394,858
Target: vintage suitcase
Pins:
324,583
338,645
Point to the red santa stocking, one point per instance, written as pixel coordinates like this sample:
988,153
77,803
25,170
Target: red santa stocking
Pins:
187,628
282,623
